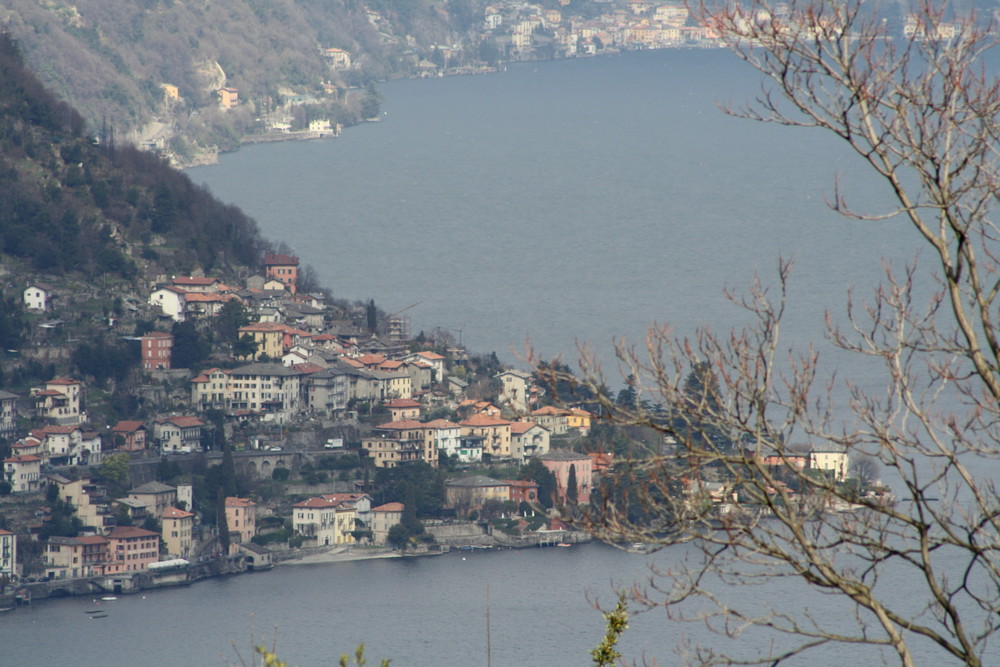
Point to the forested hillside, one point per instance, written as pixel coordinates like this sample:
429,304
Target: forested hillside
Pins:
69,204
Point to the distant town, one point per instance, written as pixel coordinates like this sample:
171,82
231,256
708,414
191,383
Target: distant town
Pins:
312,437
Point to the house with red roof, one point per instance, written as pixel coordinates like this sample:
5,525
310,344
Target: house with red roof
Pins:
528,439
399,442
131,549
283,268
385,517
324,521
133,434
403,408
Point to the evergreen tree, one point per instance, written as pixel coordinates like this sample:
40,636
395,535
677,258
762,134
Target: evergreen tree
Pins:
572,493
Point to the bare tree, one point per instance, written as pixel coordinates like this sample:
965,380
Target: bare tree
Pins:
731,477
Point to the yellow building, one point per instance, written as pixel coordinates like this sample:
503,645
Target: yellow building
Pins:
177,532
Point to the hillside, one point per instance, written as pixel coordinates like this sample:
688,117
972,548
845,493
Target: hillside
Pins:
149,67
69,204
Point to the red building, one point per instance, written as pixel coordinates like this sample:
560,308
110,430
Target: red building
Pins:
156,350
131,549
283,268
523,491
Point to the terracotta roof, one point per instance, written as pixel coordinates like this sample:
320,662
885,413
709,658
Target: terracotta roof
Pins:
194,280
390,507
174,513
23,458
128,426
92,539
130,532
442,423
402,403
184,422
234,501
317,503
521,427
62,380
275,259
550,410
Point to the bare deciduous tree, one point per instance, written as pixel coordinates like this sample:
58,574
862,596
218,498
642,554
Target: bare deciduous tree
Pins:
924,115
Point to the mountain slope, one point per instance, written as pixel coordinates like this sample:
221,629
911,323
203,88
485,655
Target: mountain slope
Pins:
71,205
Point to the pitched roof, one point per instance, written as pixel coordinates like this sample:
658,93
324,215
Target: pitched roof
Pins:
184,422
275,259
174,513
152,487
390,507
127,426
476,480
130,532
484,420
517,428
234,501
402,403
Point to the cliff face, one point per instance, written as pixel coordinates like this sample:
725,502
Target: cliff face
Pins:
151,69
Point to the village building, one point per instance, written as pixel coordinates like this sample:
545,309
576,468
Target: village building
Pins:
8,556
495,433
155,497
397,442
75,557
23,473
8,414
283,268
131,549
241,520
403,408
131,435
38,297
515,390
324,521
60,401
177,531
328,392
384,517
559,462
171,301
88,499
528,439
178,434
471,493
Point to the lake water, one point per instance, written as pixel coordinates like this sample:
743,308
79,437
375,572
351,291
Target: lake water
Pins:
421,611
566,202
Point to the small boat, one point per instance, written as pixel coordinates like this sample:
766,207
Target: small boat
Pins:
94,611
109,598
99,616
564,544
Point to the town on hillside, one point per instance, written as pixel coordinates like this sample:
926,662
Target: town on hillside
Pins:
210,427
